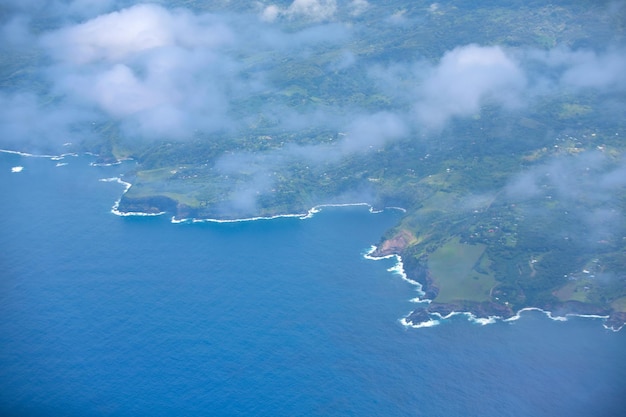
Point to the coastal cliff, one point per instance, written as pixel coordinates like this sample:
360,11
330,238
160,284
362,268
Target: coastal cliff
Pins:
416,269
495,300
394,245
155,205
148,205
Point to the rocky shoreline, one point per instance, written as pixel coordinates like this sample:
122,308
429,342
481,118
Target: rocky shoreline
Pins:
154,205
417,271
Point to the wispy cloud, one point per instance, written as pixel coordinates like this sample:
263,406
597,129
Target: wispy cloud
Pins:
464,80
586,186
120,35
158,72
358,7
470,77
312,10
583,68
167,73
27,123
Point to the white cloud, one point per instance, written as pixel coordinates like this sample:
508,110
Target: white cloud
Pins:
398,18
160,73
119,91
591,177
113,36
560,68
373,131
588,69
24,120
469,77
316,10
313,10
121,34
164,73
465,79
270,13
357,7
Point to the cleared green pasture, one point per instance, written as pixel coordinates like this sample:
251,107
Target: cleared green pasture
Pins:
574,291
453,269
619,304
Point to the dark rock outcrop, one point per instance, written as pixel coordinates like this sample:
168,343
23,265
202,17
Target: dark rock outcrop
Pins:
616,320
149,205
479,309
395,245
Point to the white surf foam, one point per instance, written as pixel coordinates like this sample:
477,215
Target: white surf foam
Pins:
613,329
115,209
398,269
429,323
34,155
248,219
135,213
303,216
483,321
26,154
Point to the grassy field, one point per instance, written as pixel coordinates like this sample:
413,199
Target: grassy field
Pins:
574,291
453,267
619,304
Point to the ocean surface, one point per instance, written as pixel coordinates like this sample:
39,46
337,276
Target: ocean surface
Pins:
102,315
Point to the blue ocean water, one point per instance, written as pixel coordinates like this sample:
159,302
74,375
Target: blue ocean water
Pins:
109,316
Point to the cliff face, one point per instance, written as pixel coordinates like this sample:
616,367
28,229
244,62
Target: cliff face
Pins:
150,205
156,204
479,309
616,321
396,245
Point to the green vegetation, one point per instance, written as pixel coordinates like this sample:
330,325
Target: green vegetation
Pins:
458,272
619,304
480,244
505,206
575,291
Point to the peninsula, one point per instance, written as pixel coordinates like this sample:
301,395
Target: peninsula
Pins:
513,201
497,126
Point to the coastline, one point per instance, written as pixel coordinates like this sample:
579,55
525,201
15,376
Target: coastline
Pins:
127,185
424,317
398,269
302,216
115,209
33,155
429,316
17,169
